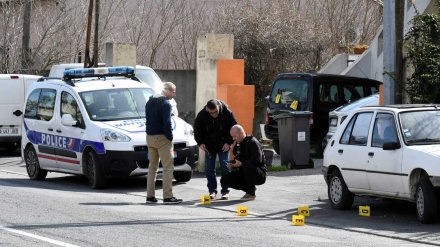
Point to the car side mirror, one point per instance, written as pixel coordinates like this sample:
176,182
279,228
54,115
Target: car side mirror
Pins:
391,146
67,120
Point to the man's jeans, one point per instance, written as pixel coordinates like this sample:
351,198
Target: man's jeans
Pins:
210,170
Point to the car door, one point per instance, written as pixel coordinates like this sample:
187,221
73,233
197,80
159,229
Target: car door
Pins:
384,167
68,152
40,123
352,153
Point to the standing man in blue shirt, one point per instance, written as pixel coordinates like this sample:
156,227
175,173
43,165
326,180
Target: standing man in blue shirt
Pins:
160,143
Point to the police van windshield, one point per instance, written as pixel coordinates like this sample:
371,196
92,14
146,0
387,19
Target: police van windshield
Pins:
150,77
116,104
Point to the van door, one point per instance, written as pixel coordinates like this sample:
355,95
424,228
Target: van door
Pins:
69,154
40,124
11,104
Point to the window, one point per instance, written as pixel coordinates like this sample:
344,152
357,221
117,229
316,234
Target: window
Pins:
328,93
352,93
356,132
31,104
40,104
70,106
384,130
290,90
46,104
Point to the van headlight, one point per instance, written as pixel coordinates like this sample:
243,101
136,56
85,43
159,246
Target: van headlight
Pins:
114,136
188,130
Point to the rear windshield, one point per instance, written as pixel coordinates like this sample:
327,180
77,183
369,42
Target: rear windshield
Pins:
290,89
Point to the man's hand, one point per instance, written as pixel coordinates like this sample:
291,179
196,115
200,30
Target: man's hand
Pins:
225,147
234,165
203,147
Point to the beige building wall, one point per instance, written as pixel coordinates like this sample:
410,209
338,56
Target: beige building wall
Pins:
120,54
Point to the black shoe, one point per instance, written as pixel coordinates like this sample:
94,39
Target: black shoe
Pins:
151,199
172,200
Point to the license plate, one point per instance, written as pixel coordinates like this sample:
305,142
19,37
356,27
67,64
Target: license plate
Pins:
7,131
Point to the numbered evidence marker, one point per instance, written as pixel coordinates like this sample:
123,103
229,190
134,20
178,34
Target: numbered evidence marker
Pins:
242,210
206,199
304,210
364,210
298,220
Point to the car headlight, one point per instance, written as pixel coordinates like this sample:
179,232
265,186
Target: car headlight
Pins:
114,136
188,130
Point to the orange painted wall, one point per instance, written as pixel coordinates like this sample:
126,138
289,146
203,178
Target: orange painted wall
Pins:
381,95
231,89
230,71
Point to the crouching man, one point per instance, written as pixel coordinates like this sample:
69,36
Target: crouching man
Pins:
248,167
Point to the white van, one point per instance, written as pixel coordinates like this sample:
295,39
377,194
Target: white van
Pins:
144,73
92,123
13,88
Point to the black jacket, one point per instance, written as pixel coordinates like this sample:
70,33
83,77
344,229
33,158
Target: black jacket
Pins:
214,132
250,151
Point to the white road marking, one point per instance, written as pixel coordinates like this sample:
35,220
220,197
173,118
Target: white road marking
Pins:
52,241
12,172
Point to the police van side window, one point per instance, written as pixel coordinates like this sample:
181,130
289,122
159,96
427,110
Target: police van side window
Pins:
46,104
70,106
31,104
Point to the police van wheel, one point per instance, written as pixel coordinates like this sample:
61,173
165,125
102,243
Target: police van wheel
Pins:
182,176
94,173
32,165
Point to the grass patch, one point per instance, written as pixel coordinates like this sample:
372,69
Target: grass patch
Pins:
277,168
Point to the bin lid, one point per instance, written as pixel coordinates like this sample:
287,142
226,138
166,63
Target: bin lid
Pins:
292,114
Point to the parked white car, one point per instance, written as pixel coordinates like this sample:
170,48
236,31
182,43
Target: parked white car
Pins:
386,151
92,123
338,115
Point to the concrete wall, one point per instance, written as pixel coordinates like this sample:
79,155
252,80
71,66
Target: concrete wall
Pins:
185,81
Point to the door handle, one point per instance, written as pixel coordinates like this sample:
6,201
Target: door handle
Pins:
17,113
50,129
371,154
340,151
58,130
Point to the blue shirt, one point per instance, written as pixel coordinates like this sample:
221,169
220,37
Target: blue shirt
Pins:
158,116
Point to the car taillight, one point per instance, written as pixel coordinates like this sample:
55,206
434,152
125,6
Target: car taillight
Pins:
311,120
267,117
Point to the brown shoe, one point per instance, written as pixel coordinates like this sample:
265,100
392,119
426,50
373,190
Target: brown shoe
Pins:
248,197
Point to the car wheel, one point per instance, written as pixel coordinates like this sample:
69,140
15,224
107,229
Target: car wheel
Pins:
33,168
426,202
182,177
94,173
290,165
339,196
276,146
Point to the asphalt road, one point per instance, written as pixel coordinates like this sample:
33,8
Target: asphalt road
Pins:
63,211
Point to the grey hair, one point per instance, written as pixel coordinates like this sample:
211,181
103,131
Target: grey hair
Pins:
168,86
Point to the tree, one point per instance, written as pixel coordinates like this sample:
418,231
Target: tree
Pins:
423,48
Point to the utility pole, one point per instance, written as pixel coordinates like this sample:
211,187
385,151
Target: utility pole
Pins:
400,12
87,60
389,51
95,40
25,50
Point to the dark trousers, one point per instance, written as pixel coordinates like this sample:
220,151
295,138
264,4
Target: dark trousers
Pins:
244,179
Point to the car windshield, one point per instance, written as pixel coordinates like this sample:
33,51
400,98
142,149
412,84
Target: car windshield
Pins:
290,89
116,104
420,127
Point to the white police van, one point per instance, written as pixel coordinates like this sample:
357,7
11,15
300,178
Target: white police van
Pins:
92,123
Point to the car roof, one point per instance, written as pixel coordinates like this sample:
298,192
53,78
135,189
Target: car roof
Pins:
365,101
404,107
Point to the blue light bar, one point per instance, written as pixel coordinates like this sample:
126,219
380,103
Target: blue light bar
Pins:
98,72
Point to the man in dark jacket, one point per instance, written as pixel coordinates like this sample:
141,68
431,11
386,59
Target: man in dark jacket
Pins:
211,132
160,143
248,167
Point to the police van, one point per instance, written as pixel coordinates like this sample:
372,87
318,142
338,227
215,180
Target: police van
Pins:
92,123
13,89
